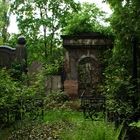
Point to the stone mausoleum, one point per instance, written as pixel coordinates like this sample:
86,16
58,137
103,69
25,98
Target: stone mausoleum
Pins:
83,62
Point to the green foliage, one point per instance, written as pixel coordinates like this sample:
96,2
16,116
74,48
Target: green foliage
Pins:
80,129
118,82
12,41
65,124
42,24
135,124
55,99
125,25
58,121
8,90
19,101
54,63
4,21
87,19
92,131
118,87
134,130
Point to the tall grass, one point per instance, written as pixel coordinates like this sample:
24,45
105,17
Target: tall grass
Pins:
80,129
65,124
88,130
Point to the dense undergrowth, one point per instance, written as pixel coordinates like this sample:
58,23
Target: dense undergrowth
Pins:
46,117
62,120
61,124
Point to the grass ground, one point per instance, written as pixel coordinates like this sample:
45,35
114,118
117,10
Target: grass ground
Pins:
61,124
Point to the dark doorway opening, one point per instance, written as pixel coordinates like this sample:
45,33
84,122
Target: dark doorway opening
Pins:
88,76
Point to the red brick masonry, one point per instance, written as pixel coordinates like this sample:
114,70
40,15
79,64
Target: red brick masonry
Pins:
71,88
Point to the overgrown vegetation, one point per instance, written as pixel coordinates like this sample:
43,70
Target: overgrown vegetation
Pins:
120,91
19,101
63,124
29,114
4,21
52,116
88,18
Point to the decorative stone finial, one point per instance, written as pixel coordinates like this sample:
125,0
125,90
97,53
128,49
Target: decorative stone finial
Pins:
21,40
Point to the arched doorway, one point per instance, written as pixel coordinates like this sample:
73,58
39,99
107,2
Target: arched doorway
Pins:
88,76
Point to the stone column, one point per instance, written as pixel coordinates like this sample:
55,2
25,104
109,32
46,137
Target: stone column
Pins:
21,54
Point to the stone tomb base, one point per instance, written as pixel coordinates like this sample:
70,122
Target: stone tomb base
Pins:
71,88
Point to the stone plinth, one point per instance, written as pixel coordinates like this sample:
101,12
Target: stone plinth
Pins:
71,88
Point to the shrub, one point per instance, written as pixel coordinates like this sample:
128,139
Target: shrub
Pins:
55,99
19,101
9,93
73,105
118,87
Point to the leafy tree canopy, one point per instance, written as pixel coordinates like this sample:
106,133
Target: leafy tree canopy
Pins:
125,18
4,20
89,18
118,75
41,22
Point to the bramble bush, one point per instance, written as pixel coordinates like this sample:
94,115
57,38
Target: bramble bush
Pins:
55,99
